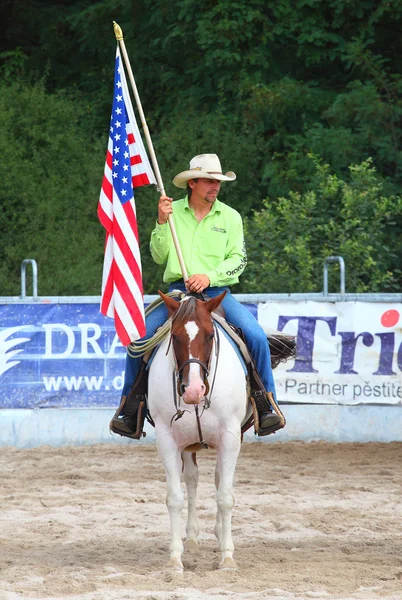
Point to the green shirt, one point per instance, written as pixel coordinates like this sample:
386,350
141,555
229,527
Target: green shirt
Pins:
214,247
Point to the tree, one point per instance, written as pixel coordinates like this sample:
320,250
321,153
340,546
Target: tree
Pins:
287,241
48,197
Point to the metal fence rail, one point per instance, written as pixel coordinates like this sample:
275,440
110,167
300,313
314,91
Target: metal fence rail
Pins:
323,296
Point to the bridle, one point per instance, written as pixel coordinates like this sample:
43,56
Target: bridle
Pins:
179,387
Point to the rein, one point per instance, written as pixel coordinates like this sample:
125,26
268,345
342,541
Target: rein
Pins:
178,385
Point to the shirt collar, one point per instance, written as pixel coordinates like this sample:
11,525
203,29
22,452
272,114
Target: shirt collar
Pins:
216,207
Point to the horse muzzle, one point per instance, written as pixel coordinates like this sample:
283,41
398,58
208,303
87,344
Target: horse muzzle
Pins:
193,393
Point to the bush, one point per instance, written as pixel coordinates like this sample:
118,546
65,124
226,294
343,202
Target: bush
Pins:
49,193
288,240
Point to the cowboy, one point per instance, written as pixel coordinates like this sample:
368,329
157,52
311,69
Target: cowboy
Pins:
211,237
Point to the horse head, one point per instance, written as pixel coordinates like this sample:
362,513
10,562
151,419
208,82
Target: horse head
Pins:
192,336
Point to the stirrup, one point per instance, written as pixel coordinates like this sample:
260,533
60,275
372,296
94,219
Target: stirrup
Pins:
128,420
131,427
263,402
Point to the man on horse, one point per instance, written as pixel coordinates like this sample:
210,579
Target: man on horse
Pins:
212,241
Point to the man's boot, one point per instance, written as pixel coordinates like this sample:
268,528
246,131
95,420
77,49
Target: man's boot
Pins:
129,418
270,421
269,417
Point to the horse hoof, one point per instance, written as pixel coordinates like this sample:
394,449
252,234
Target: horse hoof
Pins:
176,565
192,546
228,563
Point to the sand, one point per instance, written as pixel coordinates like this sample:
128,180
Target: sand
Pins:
312,520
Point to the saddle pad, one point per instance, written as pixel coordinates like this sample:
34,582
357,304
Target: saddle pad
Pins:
234,346
227,336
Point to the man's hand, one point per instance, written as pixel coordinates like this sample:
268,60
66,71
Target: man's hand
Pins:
197,283
165,209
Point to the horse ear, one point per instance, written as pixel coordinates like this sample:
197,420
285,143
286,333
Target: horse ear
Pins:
171,303
213,304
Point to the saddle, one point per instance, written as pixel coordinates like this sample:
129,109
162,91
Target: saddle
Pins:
134,405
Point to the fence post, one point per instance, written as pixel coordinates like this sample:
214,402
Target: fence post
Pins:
24,264
328,260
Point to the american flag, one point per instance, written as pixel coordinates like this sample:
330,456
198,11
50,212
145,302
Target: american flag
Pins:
126,167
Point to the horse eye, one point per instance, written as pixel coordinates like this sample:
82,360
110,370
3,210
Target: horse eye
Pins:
210,336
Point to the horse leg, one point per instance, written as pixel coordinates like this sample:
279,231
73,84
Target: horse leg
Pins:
218,523
228,453
190,473
170,456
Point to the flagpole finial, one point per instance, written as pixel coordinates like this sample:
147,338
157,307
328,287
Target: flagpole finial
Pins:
117,31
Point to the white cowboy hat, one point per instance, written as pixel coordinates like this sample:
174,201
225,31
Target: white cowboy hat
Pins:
203,166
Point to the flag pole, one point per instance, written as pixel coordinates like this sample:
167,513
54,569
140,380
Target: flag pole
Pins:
119,37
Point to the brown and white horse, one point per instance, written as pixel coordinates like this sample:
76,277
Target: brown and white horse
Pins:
197,397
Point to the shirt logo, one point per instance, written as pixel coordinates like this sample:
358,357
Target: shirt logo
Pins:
219,229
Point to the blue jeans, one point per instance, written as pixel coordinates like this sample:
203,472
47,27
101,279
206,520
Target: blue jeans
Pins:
235,313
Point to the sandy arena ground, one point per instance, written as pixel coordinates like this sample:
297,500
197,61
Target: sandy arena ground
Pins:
311,520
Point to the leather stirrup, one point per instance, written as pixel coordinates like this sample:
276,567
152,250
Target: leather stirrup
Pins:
129,418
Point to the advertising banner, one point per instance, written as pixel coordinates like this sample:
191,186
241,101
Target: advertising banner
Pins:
347,352
59,355
68,355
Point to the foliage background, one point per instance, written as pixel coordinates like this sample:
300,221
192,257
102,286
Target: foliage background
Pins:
301,98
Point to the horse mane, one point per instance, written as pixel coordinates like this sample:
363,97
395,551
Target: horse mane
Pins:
186,311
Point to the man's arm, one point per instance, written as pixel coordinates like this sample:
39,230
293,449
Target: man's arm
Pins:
160,239
235,261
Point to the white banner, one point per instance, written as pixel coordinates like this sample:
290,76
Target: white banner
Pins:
347,352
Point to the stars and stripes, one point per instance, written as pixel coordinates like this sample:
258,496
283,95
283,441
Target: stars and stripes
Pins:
126,167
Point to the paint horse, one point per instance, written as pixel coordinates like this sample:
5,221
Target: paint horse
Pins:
197,397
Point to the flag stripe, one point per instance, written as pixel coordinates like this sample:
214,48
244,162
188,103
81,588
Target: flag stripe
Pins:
124,324
107,298
105,212
126,317
136,160
109,156
123,223
121,331
141,179
107,279
128,258
130,301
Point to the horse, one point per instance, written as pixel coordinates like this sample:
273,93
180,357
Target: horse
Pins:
197,397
